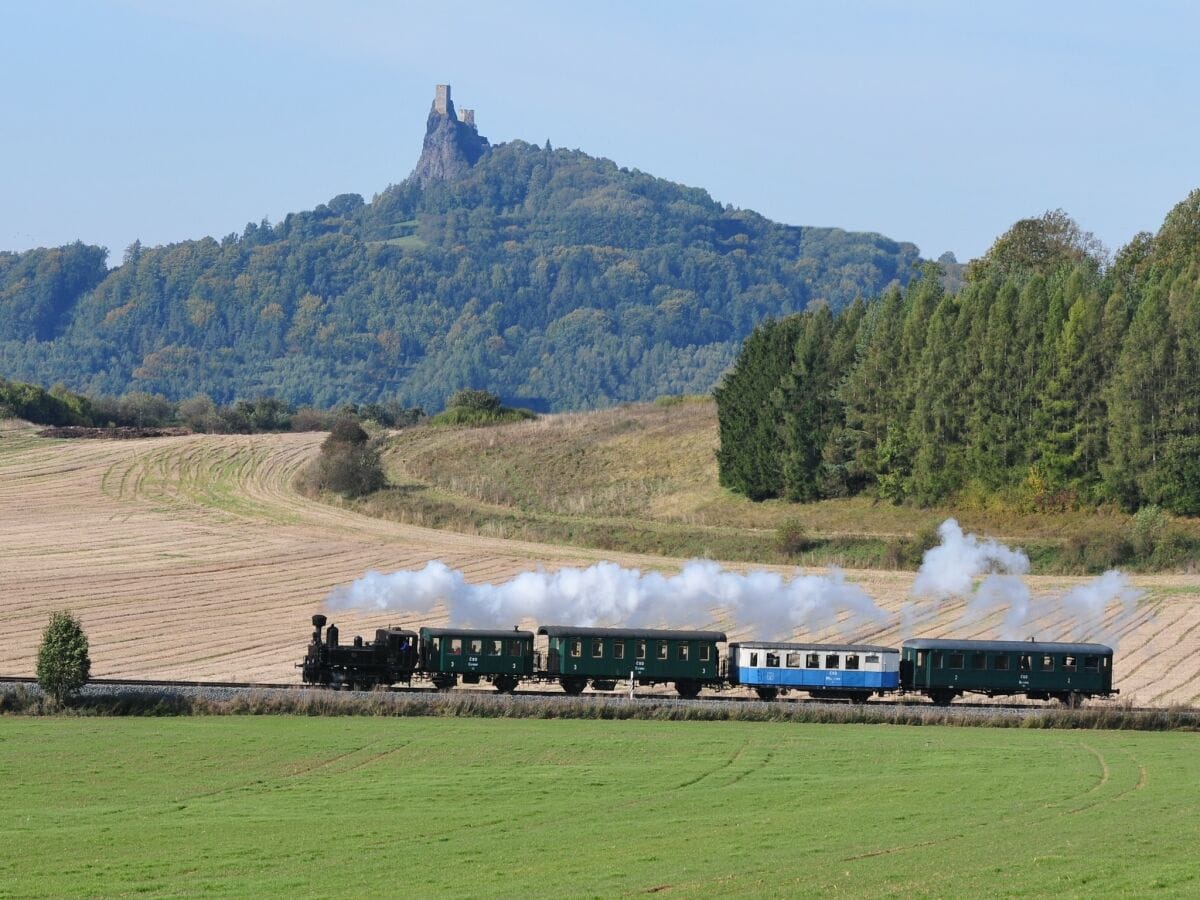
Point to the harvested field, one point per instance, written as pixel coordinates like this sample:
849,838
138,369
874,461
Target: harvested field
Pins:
193,557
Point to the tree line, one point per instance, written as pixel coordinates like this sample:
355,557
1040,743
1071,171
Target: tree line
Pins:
1052,379
139,409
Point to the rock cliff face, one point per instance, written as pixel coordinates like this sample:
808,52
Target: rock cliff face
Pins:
452,144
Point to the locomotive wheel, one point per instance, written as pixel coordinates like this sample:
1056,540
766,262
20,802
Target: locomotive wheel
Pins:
688,689
572,685
766,693
505,684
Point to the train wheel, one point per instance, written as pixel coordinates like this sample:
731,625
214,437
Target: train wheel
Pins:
941,696
688,689
767,693
572,685
505,684
444,682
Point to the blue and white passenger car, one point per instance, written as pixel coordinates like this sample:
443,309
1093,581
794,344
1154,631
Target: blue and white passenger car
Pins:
839,671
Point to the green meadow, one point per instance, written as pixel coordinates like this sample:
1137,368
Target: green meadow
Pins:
281,805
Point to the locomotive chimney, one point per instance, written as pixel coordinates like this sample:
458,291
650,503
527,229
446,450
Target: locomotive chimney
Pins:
318,623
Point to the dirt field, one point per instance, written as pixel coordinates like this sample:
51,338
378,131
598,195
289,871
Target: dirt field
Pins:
192,557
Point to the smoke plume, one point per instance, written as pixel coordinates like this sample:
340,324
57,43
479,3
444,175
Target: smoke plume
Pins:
771,606
983,573
949,571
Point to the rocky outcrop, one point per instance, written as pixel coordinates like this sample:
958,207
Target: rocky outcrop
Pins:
452,143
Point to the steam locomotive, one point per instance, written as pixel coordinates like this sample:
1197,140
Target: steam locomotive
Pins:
576,657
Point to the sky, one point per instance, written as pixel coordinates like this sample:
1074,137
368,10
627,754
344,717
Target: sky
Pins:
940,123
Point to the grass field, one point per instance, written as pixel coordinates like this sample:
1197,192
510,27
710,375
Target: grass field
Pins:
256,806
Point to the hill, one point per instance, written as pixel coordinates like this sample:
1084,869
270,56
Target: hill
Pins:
553,278
644,478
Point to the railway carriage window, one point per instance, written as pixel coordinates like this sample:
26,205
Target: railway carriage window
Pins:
515,648
683,651
851,660
1107,661
476,645
705,652
455,646
437,646
832,661
872,659
640,650
956,660
754,660
772,660
793,660
937,659
618,650
662,649
1025,663
576,647
812,661
597,648
1068,664
1002,662
1047,663
978,660
920,659
495,647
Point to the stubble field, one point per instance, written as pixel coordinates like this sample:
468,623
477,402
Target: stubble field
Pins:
194,558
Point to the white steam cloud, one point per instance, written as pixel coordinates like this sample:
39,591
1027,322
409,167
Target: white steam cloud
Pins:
949,571
772,606
983,573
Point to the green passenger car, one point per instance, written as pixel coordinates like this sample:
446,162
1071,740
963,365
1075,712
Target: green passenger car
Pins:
604,656
945,669
501,658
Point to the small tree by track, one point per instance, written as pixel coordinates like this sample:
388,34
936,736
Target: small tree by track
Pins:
63,663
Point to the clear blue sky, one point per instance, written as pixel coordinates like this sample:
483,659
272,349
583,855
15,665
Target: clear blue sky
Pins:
939,123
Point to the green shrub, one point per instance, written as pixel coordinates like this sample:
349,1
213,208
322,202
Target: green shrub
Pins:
791,538
1149,525
63,664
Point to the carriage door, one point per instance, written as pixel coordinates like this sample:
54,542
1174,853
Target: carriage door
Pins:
554,657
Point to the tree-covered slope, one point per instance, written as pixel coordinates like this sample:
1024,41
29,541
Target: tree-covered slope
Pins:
553,278
1050,380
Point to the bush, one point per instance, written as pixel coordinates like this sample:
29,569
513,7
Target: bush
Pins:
467,398
63,665
908,553
471,407
791,538
1149,526
350,462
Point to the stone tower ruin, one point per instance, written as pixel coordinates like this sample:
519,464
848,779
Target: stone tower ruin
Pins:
452,142
441,99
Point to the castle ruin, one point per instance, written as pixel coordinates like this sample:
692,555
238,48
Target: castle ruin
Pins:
452,142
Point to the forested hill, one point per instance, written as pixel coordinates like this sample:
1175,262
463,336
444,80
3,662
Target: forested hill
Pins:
1049,381
553,278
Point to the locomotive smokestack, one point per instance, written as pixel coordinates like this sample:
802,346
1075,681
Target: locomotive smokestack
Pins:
319,621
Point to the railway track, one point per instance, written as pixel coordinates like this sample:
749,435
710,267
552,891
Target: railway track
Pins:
551,694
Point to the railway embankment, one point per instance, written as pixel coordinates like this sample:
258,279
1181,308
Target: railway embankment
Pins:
150,699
